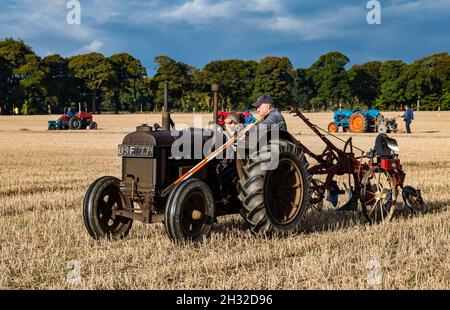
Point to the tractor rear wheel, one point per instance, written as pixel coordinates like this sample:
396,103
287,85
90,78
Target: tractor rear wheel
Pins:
378,195
357,123
274,201
190,211
101,199
74,123
332,127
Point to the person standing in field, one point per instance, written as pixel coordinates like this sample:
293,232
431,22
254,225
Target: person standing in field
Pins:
408,118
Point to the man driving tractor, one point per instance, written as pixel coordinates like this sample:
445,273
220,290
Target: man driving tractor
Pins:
266,107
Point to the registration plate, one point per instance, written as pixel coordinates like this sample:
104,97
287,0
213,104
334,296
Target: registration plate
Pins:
135,150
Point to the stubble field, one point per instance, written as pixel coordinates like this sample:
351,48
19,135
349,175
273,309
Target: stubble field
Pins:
44,175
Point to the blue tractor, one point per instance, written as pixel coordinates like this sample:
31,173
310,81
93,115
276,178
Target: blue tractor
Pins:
359,121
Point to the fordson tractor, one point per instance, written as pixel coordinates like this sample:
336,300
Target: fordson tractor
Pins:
188,193
359,121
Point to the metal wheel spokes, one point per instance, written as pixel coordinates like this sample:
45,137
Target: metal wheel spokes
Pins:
194,214
284,192
108,202
379,197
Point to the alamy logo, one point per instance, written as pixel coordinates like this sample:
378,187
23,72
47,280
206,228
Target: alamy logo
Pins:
374,15
259,143
374,276
74,273
74,15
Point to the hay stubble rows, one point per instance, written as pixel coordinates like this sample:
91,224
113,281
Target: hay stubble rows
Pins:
44,175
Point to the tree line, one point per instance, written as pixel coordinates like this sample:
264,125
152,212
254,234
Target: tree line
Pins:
30,84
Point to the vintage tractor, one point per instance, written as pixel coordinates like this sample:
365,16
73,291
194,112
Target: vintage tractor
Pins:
359,121
73,121
146,190
188,193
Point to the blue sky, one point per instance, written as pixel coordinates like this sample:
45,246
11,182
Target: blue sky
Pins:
199,31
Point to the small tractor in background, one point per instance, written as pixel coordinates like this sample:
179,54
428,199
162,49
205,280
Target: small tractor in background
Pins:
359,121
73,121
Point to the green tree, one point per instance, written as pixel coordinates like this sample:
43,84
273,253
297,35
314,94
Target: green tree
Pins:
365,82
4,74
331,78
198,97
304,88
58,83
426,79
32,74
445,102
14,54
94,71
179,76
146,99
129,73
275,77
236,80
391,92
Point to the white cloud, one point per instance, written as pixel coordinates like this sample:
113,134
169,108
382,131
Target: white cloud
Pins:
41,19
31,19
94,46
263,5
199,11
320,26
405,7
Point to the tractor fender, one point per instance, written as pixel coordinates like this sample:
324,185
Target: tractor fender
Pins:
282,135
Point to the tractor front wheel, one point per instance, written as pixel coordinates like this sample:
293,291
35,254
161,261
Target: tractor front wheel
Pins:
93,126
101,199
62,124
274,199
190,211
332,127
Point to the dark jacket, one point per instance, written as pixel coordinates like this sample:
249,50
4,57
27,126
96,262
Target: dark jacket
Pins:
274,117
409,115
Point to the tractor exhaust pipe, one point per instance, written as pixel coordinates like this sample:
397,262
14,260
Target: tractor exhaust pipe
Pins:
166,113
215,91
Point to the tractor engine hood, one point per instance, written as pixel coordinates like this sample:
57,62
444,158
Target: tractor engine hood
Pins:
145,135
144,142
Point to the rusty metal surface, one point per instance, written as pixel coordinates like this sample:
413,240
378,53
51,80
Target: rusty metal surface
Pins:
144,135
215,91
334,162
151,218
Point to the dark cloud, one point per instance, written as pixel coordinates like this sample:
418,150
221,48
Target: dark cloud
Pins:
199,31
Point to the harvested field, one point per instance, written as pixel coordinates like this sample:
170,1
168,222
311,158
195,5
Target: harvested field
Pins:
44,175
